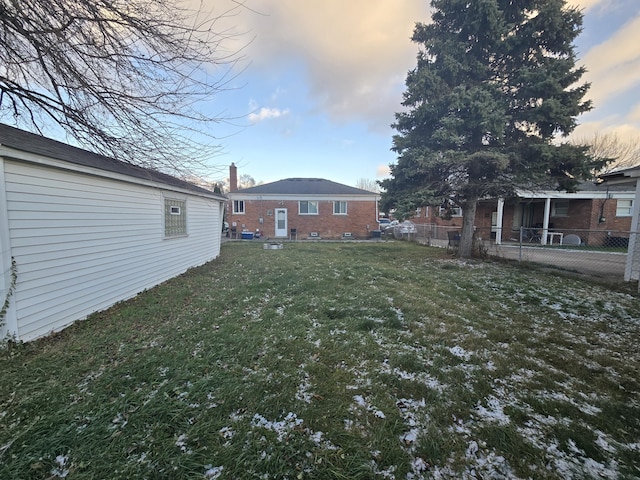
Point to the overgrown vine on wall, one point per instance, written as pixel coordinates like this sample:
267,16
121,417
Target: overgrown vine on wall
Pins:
12,287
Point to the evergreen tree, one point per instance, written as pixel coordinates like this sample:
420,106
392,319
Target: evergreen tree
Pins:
495,86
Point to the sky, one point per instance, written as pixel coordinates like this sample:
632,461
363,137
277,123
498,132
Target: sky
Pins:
320,80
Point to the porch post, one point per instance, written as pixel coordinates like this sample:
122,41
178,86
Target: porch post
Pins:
545,221
500,214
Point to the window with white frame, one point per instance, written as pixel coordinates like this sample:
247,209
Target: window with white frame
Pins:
418,212
308,207
238,206
451,211
560,208
624,208
175,217
339,208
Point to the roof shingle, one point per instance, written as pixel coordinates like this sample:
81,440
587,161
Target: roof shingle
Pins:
304,186
29,142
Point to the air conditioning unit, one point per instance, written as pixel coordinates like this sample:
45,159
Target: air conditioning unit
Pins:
347,235
314,234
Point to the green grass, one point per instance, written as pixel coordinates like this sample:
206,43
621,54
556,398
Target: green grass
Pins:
354,361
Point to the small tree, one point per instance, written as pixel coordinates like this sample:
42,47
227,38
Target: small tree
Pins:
495,83
246,181
368,184
125,78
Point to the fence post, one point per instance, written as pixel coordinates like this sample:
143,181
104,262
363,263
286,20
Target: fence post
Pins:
520,244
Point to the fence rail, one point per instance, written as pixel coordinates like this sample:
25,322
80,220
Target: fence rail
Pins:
601,254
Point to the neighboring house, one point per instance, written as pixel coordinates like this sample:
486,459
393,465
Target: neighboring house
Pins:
310,207
80,232
595,207
630,178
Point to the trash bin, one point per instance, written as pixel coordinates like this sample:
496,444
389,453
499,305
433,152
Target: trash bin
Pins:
376,233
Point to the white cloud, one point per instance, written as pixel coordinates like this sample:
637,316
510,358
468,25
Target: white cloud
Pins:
354,55
383,171
584,4
267,114
624,130
614,65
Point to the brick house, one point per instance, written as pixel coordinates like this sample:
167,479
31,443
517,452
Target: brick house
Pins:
304,207
589,211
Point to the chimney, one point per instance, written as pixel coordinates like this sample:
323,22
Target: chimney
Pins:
233,177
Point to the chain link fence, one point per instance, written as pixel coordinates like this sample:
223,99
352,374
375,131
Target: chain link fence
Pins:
598,254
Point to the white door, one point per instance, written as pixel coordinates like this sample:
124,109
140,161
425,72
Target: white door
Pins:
281,222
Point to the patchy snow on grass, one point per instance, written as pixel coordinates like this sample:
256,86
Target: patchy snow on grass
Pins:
212,473
60,470
415,418
460,352
227,433
361,402
493,412
282,428
304,391
181,443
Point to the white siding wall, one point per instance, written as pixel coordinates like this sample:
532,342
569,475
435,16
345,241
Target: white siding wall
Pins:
83,243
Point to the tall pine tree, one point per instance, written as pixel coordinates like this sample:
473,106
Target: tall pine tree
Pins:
496,84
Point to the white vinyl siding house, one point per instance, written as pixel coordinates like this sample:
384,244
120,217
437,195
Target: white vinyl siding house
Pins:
83,239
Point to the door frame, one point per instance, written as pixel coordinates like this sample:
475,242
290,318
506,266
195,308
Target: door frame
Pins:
281,232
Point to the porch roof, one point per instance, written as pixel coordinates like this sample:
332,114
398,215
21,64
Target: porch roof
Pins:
586,190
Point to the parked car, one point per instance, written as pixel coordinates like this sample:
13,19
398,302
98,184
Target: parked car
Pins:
405,227
383,223
390,226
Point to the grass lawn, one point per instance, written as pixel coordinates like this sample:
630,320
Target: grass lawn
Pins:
321,361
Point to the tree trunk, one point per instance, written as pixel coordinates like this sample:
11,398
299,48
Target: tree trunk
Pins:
466,237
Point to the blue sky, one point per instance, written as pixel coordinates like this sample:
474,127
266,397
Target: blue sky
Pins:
322,79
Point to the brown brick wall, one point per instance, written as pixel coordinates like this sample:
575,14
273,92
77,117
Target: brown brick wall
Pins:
359,220
583,215
431,217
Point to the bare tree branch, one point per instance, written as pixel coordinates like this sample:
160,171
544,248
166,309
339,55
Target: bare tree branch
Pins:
368,184
126,78
608,146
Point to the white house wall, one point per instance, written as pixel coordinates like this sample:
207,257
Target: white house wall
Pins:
83,243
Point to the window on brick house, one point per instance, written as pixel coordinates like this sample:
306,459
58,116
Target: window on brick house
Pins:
451,211
307,207
624,208
339,208
560,208
238,206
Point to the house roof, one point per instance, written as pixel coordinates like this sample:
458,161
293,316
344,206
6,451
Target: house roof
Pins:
304,186
29,142
601,187
626,175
